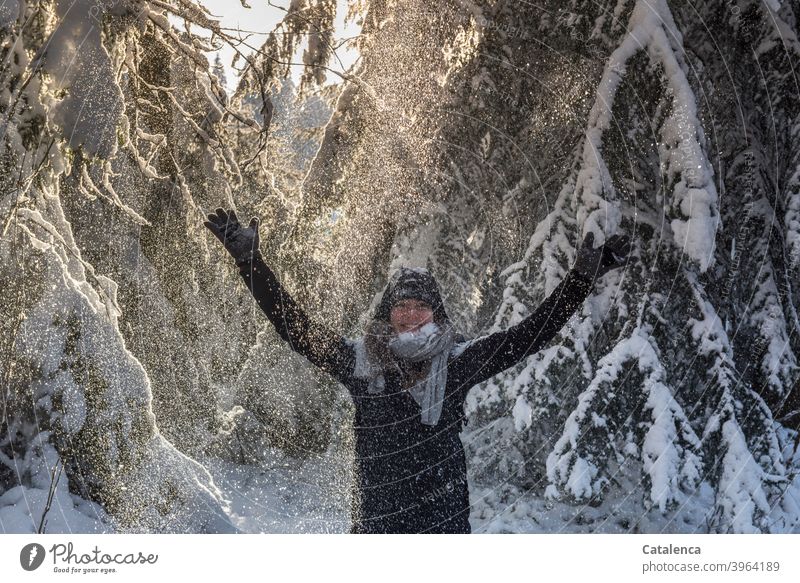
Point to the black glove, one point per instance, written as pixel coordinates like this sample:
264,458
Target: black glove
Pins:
240,242
594,263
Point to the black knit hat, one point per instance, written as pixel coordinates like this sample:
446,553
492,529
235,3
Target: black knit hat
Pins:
411,283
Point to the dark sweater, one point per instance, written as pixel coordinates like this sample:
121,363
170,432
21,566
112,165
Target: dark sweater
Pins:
413,477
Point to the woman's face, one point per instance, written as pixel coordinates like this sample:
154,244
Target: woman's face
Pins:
409,315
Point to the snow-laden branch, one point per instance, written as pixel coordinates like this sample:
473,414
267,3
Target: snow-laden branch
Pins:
750,459
695,217
668,447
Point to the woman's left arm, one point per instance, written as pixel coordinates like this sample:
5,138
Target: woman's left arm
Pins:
488,355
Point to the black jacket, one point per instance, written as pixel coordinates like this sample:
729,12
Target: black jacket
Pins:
413,477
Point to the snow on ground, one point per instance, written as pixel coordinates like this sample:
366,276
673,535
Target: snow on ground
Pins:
22,508
286,495
21,512
285,499
507,510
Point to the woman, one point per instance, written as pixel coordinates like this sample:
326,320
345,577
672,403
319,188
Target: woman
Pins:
408,376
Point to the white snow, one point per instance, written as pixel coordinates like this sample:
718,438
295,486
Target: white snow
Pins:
22,508
740,482
73,327
695,217
78,63
792,218
741,496
522,414
669,450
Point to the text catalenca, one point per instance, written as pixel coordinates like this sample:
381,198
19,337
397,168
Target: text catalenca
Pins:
65,554
669,550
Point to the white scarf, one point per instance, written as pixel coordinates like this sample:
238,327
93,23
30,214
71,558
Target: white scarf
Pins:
431,342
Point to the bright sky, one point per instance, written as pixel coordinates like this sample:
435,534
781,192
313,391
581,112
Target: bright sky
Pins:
262,18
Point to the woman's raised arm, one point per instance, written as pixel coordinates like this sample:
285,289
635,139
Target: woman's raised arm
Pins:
323,347
486,356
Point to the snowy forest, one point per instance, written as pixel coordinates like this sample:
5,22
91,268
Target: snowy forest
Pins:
144,391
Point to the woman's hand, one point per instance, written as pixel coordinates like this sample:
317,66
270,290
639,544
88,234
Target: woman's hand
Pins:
594,263
240,242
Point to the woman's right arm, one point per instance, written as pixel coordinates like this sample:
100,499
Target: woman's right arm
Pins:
323,347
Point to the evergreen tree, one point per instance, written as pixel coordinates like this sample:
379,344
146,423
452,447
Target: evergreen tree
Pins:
99,215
